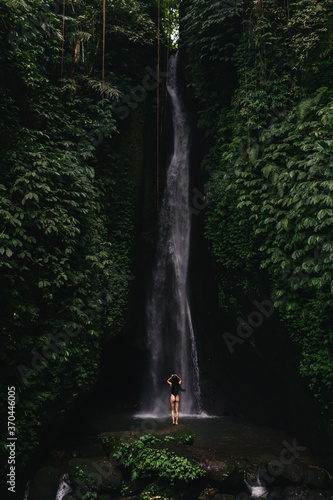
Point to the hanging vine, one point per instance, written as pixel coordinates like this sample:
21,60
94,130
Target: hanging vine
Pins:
103,59
158,105
62,47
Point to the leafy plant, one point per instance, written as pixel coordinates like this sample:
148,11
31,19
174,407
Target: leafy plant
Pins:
68,195
89,483
144,461
258,74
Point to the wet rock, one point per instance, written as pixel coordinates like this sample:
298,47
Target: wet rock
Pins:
87,450
275,493
208,494
272,469
294,493
304,493
217,470
45,484
224,496
160,490
97,474
111,440
180,434
316,478
293,473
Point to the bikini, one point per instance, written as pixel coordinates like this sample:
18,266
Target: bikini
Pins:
175,389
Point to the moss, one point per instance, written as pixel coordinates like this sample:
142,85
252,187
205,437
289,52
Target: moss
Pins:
111,440
162,492
94,474
45,484
180,434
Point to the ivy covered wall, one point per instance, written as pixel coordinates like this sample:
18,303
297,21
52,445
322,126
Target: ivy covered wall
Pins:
260,74
69,196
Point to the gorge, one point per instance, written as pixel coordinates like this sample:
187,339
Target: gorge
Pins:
114,276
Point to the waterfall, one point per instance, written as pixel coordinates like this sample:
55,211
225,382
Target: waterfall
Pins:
64,488
171,340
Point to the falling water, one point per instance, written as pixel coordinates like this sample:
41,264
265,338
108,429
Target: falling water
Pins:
171,340
64,487
257,489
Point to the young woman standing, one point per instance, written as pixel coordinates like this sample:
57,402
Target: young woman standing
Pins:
174,381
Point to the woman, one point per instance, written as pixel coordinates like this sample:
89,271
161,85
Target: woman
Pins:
174,382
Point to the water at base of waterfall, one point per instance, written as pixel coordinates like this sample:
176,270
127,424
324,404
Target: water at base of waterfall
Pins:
170,335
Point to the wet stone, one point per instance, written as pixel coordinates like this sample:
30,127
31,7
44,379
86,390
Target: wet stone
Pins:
208,494
316,478
96,474
45,484
218,471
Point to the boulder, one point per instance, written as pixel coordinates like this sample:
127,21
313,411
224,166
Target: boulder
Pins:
111,440
271,469
293,473
181,434
217,471
275,493
45,484
94,474
214,494
154,490
304,493
224,496
208,494
316,478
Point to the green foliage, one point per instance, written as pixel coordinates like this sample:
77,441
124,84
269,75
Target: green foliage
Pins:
112,440
67,198
89,483
89,494
269,135
108,442
156,490
144,461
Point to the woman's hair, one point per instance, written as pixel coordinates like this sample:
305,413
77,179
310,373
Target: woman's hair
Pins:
175,383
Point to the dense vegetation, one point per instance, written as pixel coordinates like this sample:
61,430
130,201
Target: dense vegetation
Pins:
150,465
260,73
69,191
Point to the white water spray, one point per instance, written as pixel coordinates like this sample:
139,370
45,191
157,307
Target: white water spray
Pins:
64,487
257,490
171,340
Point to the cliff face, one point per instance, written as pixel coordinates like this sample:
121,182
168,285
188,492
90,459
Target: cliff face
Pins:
73,131
258,76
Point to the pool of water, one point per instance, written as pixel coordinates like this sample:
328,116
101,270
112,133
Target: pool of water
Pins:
228,436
